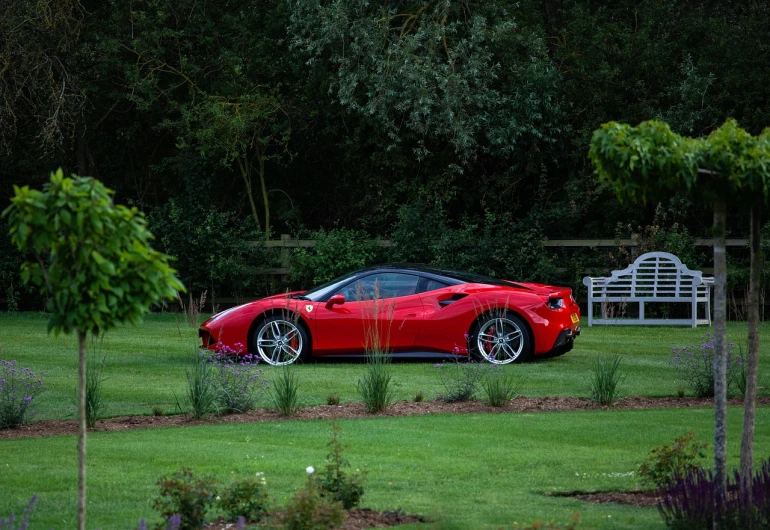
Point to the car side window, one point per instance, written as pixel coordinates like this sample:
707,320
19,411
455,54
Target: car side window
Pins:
383,285
431,285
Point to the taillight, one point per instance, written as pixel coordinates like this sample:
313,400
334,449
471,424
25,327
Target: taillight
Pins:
556,303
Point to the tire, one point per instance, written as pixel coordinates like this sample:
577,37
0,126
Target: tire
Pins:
501,338
280,341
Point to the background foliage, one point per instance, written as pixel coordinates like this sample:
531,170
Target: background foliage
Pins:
459,128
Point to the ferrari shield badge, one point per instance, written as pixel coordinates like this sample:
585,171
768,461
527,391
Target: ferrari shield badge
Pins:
309,308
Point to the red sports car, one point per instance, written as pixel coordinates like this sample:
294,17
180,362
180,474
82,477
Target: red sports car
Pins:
420,312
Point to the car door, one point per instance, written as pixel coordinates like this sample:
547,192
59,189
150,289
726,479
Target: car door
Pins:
381,308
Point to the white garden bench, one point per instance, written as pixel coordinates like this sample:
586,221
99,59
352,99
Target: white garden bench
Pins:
652,277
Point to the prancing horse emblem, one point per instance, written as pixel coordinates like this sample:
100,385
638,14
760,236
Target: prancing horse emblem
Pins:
309,308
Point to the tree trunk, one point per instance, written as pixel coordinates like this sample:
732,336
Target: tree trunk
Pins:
81,430
752,357
720,360
246,174
264,192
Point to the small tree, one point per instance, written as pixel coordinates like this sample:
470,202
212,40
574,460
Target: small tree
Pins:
93,261
729,166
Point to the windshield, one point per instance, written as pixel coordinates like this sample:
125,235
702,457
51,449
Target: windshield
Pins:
317,293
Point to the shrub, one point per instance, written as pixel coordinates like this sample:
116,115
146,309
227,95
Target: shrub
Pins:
501,385
335,482
668,462
419,397
245,498
605,380
308,510
695,365
94,398
460,380
284,392
18,389
201,395
336,252
333,399
10,522
688,503
186,496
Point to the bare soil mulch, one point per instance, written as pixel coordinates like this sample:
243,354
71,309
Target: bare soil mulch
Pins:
356,410
356,519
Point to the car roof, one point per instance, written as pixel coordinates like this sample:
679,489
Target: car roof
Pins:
453,277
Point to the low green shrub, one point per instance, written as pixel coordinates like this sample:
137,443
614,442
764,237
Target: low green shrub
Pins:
668,462
336,483
333,399
309,510
185,496
245,498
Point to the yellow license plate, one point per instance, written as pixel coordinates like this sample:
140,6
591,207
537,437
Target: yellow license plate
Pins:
575,318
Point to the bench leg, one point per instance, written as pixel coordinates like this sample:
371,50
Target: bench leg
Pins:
694,311
641,310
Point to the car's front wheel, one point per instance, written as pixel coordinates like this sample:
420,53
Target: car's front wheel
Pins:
501,339
280,341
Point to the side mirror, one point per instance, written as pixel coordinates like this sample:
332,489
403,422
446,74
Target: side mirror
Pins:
337,299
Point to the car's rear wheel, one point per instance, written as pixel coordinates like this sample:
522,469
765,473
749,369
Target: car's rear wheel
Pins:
501,339
280,341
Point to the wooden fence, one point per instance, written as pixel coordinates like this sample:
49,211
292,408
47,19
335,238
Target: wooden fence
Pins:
287,245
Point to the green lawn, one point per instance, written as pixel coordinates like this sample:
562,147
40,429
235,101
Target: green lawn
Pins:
145,365
463,471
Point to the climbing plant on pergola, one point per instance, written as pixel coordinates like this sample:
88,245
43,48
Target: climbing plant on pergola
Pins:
729,167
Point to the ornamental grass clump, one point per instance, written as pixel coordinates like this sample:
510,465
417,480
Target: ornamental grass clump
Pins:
606,377
376,387
695,365
19,387
94,398
284,393
201,394
501,385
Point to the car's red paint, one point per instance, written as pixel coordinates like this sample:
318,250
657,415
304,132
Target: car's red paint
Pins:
436,321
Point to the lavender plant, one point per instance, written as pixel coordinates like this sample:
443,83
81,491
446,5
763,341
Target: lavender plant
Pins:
688,503
695,365
19,387
460,380
10,522
238,383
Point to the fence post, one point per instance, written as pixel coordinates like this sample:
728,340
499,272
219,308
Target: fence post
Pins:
285,255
